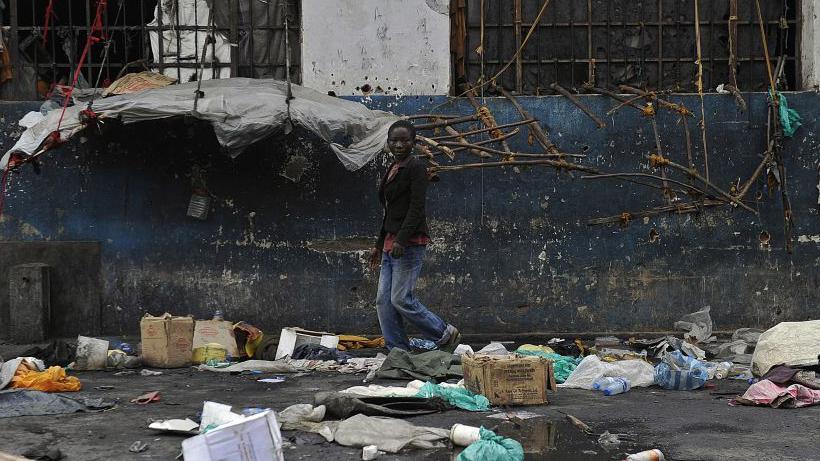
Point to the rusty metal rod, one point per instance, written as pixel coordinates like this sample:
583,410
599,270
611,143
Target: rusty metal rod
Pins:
452,121
559,164
444,149
453,132
680,108
578,104
614,96
482,130
510,154
656,160
536,130
678,209
486,141
646,175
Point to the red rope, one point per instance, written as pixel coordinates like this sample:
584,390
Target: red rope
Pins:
95,35
49,15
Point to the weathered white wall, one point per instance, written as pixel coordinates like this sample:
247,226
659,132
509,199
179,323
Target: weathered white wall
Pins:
810,44
384,46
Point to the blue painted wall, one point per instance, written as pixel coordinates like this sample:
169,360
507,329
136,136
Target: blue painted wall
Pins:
512,252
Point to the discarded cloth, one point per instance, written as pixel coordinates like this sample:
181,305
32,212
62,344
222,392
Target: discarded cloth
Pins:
9,368
248,338
36,403
637,372
30,373
456,396
562,365
389,434
681,372
795,344
428,366
492,447
789,118
534,348
784,375
266,366
341,405
766,392
350,342
374,390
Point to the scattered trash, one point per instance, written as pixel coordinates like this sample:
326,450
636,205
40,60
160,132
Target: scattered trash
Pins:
419,344
290,338
138,447
794,344
216,414
311,351
146,372
177,426
562,365
637,372
119,359
104,388
147,398
307,418
350,342
493,349
125,373
166,340
210,352
211,334
92,354
680,372
249,339
273,380
492,447
37,403
509,380
265,366
616,386
456,396
30,373
463,349
426,366
389,434
464,436
698,326
370,452
579,424
649,455
256,437
340,405
768,393
139,81
510,415
609,441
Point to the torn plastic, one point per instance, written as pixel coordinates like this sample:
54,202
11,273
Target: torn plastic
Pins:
390,435
241,111
637,372
698,326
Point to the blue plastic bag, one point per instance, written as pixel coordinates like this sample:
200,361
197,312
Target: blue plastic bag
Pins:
681,372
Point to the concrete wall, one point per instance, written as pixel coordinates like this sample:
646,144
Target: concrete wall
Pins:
355,47
511,252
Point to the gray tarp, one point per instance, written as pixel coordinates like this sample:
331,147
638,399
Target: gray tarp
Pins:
242,111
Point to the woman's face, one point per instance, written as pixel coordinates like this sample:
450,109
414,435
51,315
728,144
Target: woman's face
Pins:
400,141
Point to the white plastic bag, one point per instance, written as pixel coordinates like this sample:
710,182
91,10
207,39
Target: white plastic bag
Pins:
793,344
389,434
637,372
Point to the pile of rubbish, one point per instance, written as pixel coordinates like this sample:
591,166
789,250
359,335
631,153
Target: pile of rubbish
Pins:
779,366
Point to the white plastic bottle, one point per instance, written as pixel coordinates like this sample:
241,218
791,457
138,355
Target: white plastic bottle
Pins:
648,455
602,382
618,386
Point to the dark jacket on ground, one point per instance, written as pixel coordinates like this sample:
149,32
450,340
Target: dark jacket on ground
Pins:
403,199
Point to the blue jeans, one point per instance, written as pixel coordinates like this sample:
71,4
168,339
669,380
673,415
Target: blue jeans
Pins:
395,301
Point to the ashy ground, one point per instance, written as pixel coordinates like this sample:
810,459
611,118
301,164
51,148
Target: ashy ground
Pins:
697,425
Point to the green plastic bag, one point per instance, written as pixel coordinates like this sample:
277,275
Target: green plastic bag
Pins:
456,396
491,447
789,118
562,365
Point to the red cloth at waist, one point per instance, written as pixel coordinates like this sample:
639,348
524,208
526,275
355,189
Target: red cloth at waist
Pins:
418,239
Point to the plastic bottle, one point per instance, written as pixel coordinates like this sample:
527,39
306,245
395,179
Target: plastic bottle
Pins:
722,370
602,382
619,386
218,315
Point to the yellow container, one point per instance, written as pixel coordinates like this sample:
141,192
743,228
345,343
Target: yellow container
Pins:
210,351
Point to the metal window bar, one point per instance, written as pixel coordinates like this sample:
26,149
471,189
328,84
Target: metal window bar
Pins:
615,37
130,48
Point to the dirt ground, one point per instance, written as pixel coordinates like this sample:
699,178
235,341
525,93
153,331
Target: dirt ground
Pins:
697,425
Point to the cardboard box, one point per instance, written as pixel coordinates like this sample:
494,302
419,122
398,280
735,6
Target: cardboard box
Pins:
255,438
166,341
292,337
216,331
511,379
